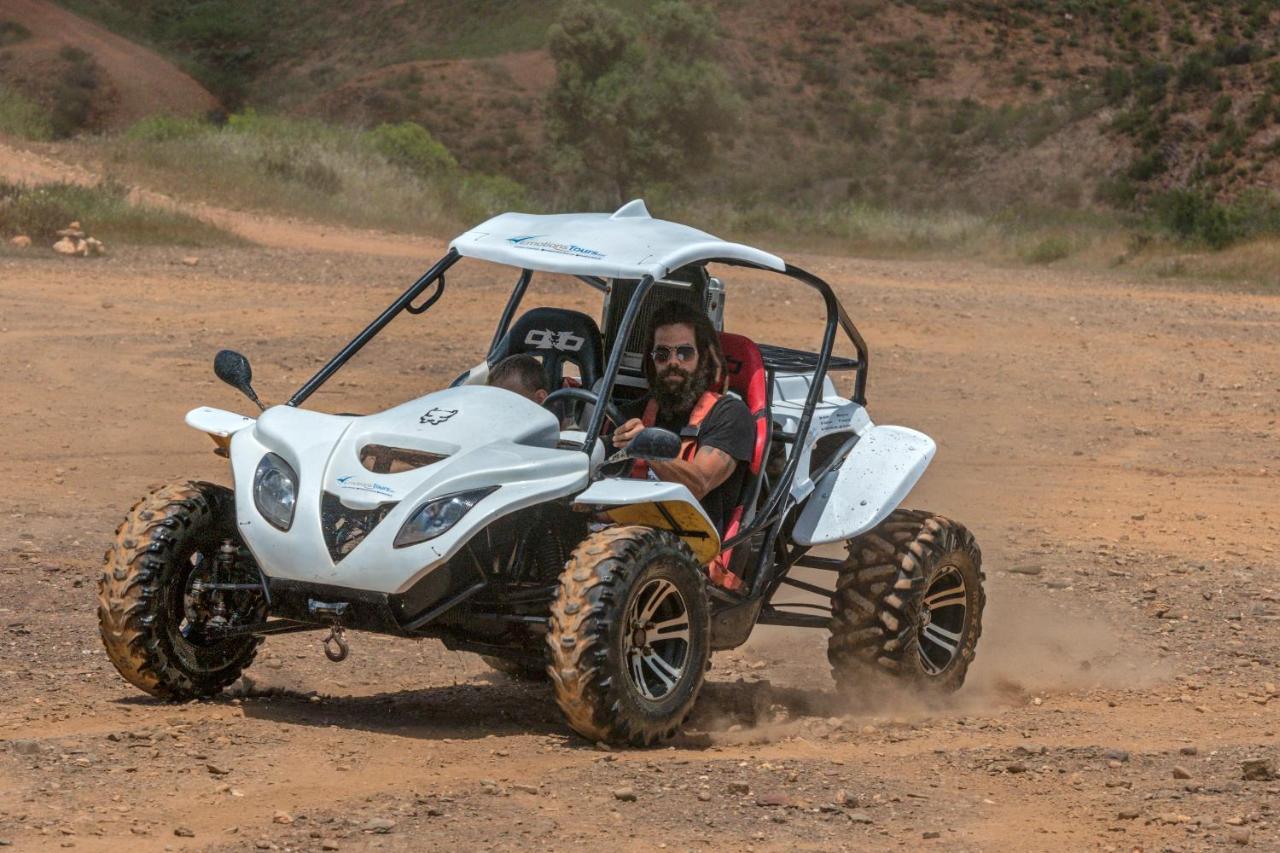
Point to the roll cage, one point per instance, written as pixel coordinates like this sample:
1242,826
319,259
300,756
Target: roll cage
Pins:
772,560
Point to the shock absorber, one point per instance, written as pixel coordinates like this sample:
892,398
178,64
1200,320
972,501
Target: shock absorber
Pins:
224,571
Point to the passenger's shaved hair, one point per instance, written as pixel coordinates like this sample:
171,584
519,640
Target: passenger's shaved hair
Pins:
521,373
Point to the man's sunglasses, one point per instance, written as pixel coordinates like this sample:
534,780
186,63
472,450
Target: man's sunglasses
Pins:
684,353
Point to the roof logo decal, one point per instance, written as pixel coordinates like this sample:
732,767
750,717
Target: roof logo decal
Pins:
537,243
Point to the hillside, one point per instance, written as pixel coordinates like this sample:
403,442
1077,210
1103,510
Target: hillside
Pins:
87,77
974,104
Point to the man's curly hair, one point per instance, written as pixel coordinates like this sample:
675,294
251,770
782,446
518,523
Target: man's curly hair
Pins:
710,358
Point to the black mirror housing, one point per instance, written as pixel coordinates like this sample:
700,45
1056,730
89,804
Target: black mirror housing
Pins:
233,368
654,444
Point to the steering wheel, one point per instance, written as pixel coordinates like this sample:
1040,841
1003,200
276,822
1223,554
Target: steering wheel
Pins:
583,396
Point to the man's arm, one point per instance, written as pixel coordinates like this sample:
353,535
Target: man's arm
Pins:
708,468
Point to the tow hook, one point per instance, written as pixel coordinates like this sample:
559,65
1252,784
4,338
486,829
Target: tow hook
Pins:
335,647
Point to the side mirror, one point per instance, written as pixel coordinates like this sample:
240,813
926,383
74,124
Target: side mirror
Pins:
233,368
654,444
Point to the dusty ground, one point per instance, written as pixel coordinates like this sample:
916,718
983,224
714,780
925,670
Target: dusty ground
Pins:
1111,444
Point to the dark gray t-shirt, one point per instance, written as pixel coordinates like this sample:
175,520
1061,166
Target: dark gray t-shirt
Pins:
730,428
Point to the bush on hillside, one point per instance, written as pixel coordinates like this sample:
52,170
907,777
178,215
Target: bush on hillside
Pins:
12,32
636,102
227,40
410,146
162,128
103,211
75,93
1195,216
23,117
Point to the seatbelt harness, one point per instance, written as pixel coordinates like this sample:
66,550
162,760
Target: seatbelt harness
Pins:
719,567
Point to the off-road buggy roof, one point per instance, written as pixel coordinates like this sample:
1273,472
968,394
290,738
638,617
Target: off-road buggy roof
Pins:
628,243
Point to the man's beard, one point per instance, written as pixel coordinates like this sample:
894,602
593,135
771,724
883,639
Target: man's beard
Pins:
675,402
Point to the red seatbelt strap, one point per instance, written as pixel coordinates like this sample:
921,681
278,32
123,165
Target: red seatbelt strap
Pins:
718,568
688,435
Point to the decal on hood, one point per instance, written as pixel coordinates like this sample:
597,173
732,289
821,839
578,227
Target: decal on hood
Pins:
437,416
350,482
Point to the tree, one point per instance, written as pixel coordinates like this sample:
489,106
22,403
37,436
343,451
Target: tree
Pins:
636,102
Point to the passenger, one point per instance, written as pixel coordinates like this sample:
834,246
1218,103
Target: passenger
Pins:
684,367
523,374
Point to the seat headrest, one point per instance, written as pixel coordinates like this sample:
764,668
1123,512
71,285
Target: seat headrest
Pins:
555,335
744,370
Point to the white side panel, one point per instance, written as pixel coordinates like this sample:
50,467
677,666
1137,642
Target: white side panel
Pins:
645,496
217,422
873,480
621,491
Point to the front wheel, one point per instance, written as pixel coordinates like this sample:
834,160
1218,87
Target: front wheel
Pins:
174,577
908,603
629,636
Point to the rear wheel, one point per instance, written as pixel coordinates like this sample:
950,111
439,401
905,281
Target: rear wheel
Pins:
908,603
629,636
158,618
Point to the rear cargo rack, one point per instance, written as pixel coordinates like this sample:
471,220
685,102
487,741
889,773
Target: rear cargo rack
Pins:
789,360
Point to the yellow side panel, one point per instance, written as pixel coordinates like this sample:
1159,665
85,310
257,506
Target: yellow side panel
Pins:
704,548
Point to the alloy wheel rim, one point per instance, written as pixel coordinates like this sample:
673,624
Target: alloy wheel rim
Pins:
943,612
655,645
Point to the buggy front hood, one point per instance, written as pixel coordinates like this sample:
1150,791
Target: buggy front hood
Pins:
470,437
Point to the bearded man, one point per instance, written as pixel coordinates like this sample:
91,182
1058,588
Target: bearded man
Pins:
685,369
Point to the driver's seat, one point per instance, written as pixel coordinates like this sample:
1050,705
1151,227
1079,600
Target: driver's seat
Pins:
556,336
745,375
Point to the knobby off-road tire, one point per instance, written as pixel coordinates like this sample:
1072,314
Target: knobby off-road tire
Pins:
629,636
142,593
908,603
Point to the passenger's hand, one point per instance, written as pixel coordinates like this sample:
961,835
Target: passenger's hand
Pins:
622,435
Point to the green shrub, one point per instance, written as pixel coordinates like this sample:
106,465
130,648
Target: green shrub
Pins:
103,211
1196,72
1116,84
410,146
228,41
12,32
162,128
23,117
1151,81
1117,191
74,93
1195,216
1146,166
1048,250
1229,53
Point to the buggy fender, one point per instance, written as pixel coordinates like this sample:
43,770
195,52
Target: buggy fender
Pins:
218,424
874,478
656,504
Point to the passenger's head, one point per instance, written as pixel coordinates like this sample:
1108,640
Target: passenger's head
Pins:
682,357
521,373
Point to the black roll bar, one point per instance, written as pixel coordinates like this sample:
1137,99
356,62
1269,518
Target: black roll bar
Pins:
517,296
774,511
435,275
615,361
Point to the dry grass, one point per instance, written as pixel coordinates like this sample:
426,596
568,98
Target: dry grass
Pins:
300,168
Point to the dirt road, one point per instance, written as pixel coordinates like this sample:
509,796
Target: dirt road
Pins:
1111,444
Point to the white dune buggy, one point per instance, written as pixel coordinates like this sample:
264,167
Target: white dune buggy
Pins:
469,514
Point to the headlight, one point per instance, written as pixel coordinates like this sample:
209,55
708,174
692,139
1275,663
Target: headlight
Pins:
437,516
275,491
